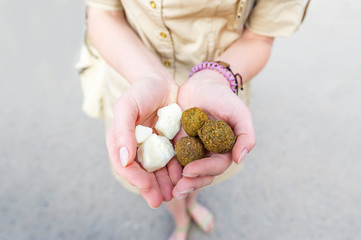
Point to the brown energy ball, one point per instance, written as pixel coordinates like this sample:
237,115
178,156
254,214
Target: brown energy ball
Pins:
189,149
217,136
192,120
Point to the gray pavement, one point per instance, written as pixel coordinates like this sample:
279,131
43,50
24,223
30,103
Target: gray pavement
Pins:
302,181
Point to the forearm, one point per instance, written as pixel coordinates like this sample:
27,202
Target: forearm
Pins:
248,55
118,44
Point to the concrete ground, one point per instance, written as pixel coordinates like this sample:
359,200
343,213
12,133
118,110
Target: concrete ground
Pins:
302,181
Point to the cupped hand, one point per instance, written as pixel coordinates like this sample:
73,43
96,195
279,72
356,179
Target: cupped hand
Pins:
210,91
139,105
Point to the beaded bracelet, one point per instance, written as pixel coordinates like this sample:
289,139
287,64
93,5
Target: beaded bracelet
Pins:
224,69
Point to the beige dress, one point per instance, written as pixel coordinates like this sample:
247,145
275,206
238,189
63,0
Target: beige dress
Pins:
182,34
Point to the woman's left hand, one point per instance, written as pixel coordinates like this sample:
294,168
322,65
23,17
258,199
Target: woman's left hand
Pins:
210,91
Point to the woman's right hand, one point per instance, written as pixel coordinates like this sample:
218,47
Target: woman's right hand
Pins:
152,87
139,105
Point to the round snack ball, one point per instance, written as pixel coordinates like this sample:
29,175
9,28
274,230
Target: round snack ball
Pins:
192,120
217,136
189,149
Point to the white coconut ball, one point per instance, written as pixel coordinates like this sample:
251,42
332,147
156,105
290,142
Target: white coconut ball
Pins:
168,123
142,133
155,152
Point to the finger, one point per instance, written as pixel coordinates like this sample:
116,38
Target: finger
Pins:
153,195
187,185
165,183
144,181
239,117
174,171
134,174
214,165
243,128
125,115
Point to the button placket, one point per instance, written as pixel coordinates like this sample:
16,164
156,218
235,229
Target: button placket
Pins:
164,43
165,47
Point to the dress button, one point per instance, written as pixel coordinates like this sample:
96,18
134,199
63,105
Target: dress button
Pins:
163,35
166,63
152,4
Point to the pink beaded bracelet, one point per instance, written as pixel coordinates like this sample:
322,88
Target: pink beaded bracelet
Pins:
224,69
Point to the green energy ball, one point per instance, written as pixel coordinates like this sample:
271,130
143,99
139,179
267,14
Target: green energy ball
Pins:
217,136
189,149
192,120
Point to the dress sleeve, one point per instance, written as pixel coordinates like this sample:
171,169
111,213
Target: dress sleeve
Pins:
111,5
277,18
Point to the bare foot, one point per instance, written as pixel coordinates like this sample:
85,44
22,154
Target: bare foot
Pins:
201,216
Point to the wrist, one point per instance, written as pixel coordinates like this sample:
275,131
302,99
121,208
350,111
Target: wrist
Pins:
161,85
223,69
208,76
157,76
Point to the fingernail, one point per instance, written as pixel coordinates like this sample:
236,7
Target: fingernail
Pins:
186,191
181,197
124,155
151,207
243,156
190,175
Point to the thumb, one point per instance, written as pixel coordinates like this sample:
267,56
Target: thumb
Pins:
240,119
125,115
